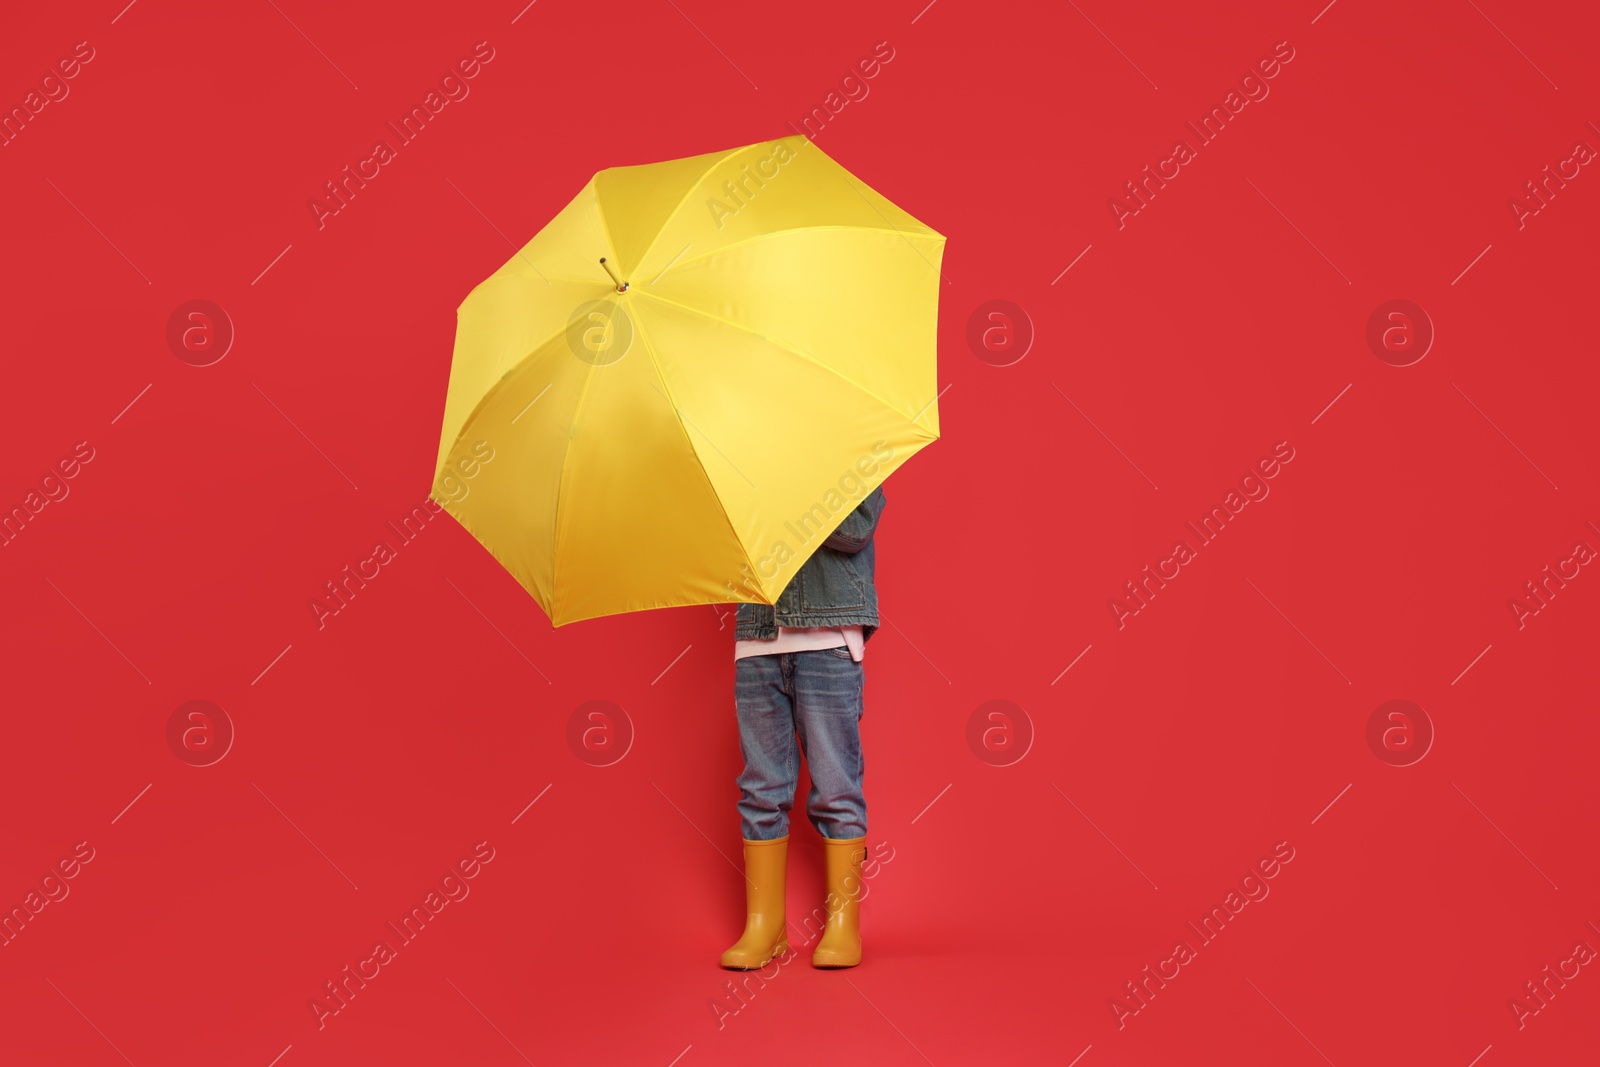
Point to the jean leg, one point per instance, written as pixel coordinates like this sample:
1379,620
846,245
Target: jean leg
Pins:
767,739
827,713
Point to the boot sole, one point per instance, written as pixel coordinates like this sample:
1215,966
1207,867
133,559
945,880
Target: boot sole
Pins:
835,964
780,949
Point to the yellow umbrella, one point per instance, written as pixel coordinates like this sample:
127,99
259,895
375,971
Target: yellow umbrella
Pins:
682,384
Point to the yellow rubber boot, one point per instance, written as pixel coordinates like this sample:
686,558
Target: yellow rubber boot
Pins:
765,935
841,938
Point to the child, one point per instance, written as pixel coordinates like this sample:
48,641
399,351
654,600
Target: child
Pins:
798,670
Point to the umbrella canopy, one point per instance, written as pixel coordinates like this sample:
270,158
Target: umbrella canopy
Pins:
684,382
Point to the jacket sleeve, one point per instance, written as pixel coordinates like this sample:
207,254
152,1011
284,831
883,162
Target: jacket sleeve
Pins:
855,532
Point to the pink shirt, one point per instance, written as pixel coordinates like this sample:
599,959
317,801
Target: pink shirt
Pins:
805,639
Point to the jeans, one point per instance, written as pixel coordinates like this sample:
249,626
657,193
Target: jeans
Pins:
817,696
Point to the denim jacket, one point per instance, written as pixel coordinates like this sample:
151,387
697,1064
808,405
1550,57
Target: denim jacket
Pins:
832,588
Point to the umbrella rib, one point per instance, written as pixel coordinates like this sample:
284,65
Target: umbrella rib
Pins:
491,391
851,182
666,392
532,350
787,348
549,277
668,217
804,229
471,420
561,485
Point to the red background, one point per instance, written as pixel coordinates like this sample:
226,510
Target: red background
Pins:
1174,754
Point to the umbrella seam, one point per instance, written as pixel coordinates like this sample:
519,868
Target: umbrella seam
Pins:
668,217
482,400
802,229
912,419
561,485
444,452
529,277
471,419
693,451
